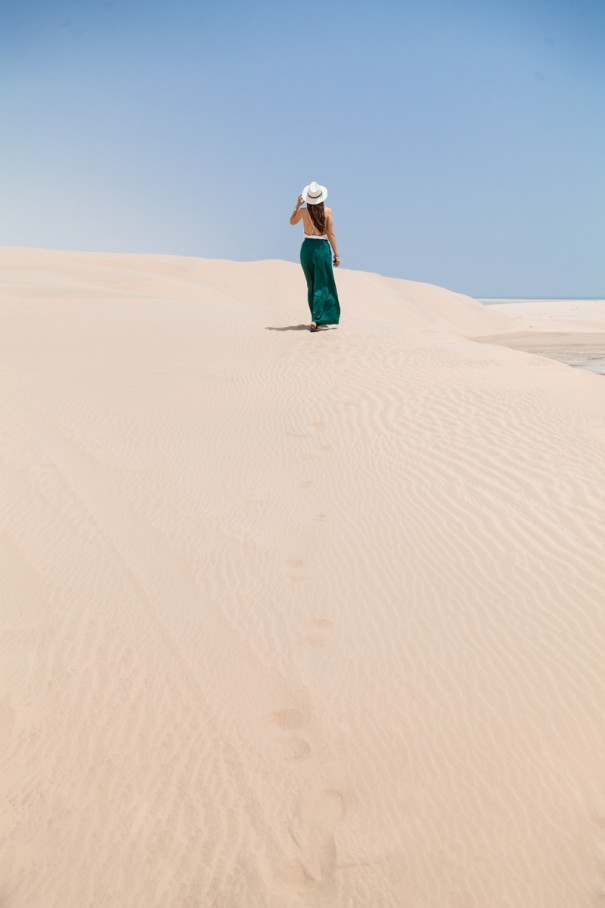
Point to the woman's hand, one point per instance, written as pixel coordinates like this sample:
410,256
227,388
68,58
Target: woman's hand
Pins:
336,261
294,218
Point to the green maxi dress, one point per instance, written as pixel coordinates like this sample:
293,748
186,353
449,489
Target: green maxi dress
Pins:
316,261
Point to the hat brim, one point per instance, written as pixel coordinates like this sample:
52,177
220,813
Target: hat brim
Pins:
314,201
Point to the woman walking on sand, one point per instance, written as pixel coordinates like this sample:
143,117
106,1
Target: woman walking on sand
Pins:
315,258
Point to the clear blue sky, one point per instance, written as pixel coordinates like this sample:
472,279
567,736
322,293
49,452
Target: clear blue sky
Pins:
462,141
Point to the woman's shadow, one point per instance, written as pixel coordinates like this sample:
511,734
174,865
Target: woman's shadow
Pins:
300,328
288,328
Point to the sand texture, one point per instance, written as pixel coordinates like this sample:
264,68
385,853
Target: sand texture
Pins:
288,619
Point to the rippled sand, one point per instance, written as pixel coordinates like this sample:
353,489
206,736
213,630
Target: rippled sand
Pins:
292,619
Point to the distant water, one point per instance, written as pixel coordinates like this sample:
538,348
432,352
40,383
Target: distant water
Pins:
583,355
592,358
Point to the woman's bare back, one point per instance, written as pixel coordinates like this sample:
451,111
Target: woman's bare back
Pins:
310,228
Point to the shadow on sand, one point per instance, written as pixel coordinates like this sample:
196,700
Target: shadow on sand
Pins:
288,328
300,328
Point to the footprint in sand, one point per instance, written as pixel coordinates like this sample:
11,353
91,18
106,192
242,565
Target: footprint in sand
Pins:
295,749
313,832
295,562
295,572
290,718
320,622
290,748
316,633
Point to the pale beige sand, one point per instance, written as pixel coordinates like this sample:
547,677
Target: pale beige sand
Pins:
290,619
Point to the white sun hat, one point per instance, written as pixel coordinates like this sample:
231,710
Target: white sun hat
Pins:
313,194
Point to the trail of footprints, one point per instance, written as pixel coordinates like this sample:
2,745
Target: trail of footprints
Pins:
293,745
317,633
321,451
313,823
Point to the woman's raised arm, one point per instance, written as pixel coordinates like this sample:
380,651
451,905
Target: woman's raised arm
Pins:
296,215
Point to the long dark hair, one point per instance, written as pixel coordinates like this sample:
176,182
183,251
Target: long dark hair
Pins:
317,213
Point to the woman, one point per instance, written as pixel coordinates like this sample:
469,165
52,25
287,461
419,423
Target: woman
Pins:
315,255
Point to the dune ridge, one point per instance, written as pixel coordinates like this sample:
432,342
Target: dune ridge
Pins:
288,619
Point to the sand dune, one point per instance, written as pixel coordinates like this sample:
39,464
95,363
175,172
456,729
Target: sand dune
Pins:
293,620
